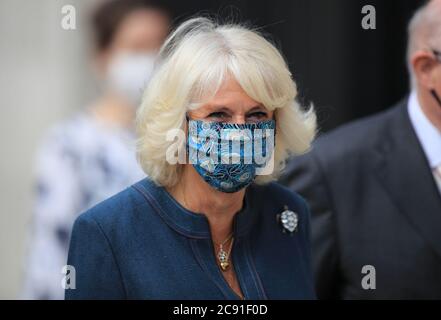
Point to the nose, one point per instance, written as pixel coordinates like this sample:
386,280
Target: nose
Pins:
239,119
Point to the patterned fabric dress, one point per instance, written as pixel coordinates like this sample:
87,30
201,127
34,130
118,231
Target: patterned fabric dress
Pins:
80,163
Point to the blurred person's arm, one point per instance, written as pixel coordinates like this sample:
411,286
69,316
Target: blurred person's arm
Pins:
304,175
56,200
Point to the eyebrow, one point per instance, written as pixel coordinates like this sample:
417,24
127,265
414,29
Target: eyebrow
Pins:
256,108
220,108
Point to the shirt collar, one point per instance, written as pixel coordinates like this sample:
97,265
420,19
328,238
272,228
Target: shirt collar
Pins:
428,135
188,223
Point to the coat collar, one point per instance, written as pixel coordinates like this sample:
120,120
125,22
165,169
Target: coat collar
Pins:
401,166
428,135
188,223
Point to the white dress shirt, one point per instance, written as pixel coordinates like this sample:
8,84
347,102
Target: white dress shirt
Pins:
428,135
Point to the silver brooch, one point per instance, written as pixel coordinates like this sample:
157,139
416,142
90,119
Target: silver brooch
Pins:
289,220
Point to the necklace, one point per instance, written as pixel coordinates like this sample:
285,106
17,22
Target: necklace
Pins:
224,256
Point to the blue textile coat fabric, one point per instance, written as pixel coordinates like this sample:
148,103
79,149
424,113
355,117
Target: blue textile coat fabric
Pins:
142,244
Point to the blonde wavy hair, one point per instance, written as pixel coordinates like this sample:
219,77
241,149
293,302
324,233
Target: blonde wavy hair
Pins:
193,63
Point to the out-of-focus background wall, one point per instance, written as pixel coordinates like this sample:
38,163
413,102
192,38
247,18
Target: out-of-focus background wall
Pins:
46,75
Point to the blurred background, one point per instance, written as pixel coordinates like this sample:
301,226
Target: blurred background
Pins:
47,76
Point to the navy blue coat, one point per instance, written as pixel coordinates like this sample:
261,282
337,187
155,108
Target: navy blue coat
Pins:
142,244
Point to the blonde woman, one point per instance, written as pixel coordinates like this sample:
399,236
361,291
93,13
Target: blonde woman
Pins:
216,124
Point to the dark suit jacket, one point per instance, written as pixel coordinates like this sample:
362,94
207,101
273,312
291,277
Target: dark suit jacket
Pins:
141,244
374,201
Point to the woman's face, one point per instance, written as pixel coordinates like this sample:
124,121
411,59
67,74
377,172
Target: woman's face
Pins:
231,104
128,63
141,31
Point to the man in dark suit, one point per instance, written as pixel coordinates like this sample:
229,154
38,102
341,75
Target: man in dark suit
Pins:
374,188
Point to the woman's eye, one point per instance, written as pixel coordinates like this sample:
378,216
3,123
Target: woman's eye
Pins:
218,115
259,115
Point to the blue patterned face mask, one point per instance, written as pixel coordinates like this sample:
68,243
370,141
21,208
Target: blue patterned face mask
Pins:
228,156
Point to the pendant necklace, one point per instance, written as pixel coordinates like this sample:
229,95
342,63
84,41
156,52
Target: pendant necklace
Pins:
224,256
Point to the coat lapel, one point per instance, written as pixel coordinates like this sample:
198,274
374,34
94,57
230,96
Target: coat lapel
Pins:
403,169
